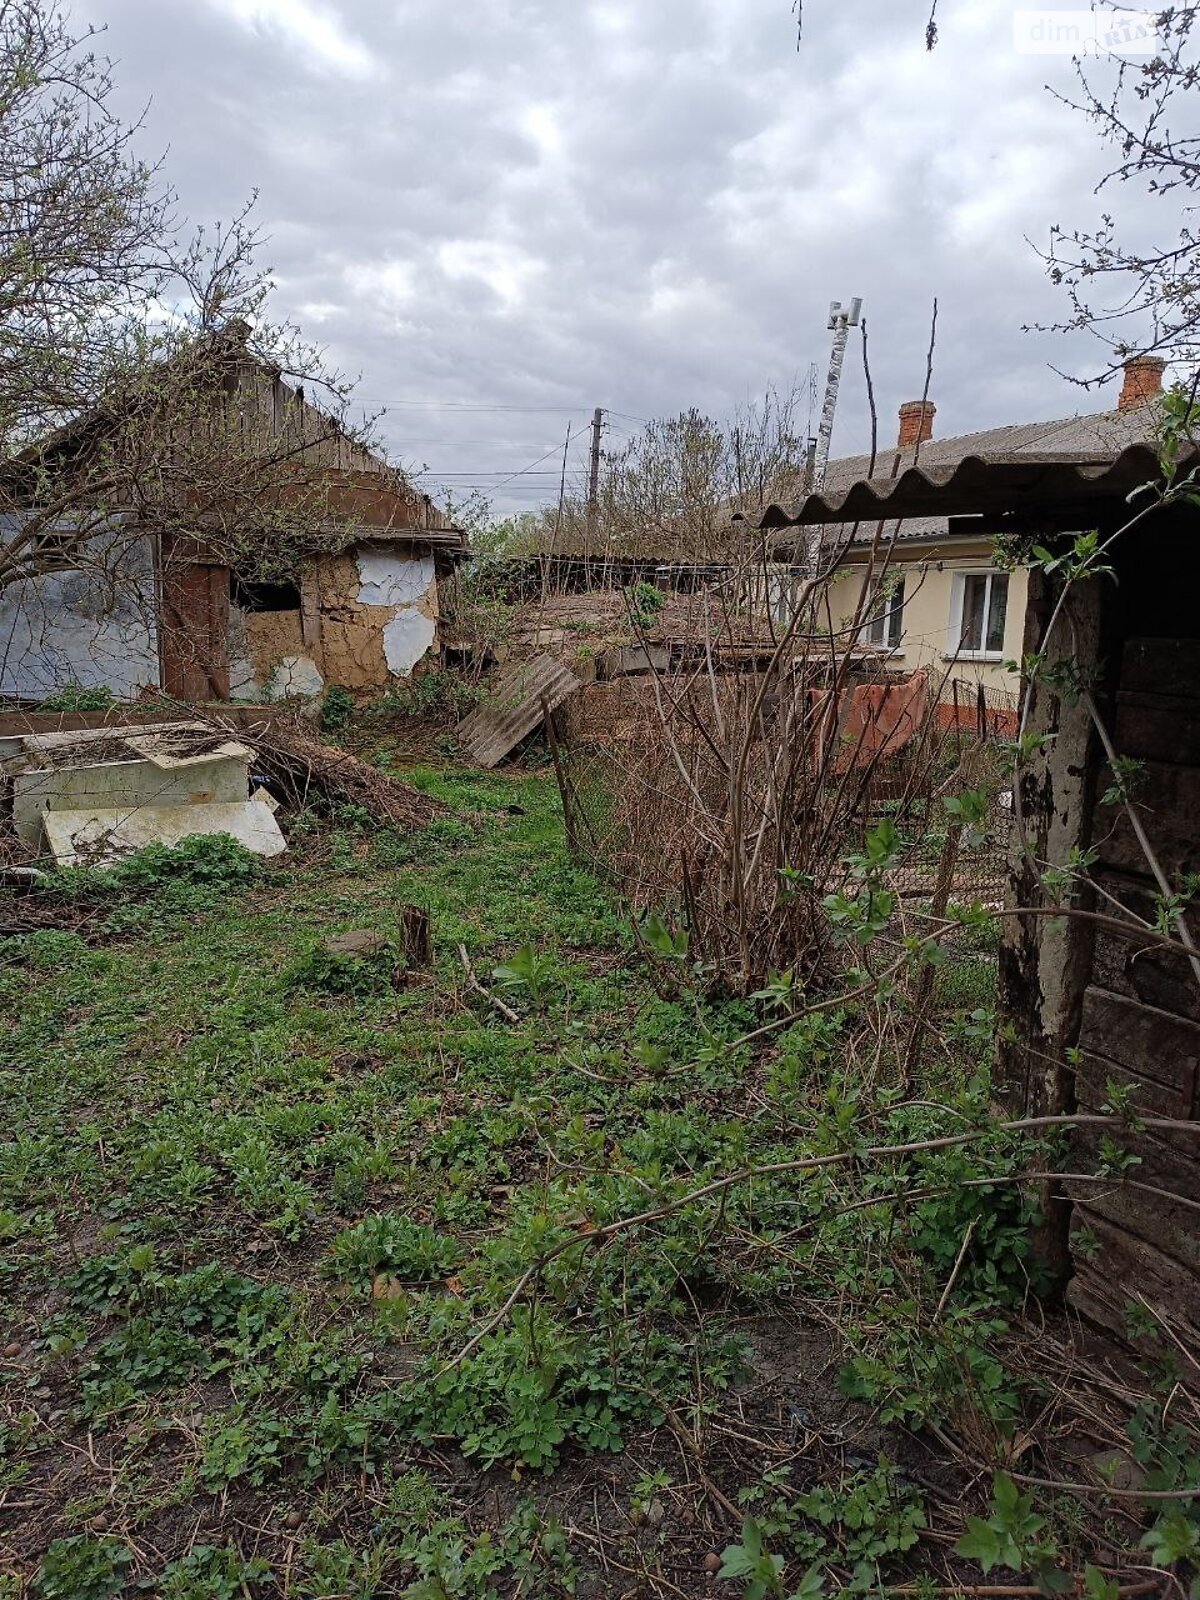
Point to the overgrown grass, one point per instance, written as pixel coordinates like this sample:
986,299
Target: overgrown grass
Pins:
263,1216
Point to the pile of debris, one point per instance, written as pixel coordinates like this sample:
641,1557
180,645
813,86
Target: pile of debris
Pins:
303,772
90,797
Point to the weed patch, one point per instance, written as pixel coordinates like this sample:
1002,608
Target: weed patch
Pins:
322,1285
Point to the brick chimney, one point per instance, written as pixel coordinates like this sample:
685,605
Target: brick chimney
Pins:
916,423
1143,380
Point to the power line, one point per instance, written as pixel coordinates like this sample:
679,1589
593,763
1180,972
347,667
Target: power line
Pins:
525,471
488,472
471,405
479,474
442,438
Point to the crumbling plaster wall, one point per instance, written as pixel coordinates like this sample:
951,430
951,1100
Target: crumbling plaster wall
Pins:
96,626
367,618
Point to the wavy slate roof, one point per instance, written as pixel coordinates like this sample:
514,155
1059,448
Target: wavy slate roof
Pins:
1068,461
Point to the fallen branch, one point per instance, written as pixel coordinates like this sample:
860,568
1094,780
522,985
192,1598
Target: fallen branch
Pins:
953,1278
1000,1590
302,769
473,982
838,1158
721,1501
1106,1489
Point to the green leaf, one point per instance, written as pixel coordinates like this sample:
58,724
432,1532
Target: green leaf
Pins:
736,1562
1172,1538
980,1543
1097,1587
1005,1495
812,1584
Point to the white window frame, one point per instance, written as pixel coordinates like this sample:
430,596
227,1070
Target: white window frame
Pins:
889,623
958,592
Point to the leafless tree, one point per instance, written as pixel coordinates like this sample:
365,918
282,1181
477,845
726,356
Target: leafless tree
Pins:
1140,292
145,389
672,490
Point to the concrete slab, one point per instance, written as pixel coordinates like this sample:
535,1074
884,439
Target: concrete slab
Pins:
100,836
127,785
175,748
73,745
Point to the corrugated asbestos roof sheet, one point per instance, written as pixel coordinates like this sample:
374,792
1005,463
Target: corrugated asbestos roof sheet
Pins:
977,484
514,708
1019,466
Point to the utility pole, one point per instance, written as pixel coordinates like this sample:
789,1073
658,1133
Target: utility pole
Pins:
594,474
562,496
841,320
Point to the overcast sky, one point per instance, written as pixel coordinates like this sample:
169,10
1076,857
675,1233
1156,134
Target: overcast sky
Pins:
533,207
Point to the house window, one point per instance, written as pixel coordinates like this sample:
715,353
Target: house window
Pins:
978,612
885,615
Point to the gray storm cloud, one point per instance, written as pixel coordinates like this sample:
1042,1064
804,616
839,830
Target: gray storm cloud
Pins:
544,207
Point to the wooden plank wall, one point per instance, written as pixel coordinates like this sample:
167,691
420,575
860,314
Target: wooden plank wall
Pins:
1140,1027
193,634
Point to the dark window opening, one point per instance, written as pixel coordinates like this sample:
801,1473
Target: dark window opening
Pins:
263,596
54,542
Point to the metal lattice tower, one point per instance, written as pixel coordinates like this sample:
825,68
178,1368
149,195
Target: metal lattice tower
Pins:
841,320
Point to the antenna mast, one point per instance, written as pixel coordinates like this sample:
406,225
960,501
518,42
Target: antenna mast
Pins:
841,320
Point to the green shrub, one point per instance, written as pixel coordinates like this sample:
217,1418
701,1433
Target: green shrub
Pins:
209,1572
337,708
442,695
216,859
82,1568
411,1251
530,1391
324,971
210,863
645,602
178,1326
80,697
143,1357
872,1515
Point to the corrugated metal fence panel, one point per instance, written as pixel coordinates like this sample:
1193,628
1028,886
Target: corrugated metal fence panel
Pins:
514,709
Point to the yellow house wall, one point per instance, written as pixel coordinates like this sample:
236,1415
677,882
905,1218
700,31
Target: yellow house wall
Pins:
928,596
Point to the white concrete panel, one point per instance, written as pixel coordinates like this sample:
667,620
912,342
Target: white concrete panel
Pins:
100,835
129,784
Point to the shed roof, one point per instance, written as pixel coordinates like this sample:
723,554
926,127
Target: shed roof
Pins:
369,499
1017,484
1068,464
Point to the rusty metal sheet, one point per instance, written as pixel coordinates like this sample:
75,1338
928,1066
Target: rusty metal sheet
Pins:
514,708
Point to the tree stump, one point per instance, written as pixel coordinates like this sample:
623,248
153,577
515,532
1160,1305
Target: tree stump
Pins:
418,938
